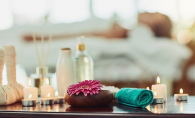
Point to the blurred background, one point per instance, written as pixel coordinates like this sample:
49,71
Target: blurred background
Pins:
150,44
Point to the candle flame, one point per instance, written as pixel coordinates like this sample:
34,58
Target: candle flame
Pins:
48,94
181,91
158,80
148,88
29,82
155,93
30,96
47,81
56,93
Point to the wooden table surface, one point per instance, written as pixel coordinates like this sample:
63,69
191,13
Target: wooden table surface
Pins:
170,109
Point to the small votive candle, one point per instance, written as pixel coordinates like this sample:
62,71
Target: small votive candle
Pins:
47,101
47,89
58,99
160,90
181,96
30,90
29,102
157,100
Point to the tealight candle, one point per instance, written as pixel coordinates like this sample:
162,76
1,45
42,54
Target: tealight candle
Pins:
29,102
58,99
160,90
47,101
181,96
47,89
30,90
157,100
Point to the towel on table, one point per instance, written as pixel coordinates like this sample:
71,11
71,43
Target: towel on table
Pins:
135,97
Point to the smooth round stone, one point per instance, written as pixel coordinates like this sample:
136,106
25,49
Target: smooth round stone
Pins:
103,98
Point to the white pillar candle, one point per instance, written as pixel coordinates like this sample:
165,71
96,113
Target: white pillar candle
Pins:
47,89
30,90
160,90
181,96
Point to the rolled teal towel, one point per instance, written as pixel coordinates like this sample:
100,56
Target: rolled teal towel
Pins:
134,97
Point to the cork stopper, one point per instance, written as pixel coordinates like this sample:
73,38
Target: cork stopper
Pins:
81,45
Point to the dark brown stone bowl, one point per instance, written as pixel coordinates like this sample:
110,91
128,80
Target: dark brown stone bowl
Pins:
103,98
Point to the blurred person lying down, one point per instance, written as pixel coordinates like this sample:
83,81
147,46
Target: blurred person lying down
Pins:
118,54
159,23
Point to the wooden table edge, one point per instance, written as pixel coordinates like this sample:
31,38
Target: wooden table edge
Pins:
28,114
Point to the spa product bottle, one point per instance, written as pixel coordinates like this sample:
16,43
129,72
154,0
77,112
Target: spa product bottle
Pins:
64,71
83,62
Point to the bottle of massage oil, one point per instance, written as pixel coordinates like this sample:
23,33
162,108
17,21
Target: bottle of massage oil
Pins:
83,62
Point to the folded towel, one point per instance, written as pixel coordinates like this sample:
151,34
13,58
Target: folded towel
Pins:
134,97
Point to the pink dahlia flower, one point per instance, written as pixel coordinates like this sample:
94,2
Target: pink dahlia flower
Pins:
87,86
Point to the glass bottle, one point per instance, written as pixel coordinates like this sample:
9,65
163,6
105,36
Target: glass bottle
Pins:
39,78
83,63
64,71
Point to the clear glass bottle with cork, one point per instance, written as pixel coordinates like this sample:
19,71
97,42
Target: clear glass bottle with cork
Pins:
83,62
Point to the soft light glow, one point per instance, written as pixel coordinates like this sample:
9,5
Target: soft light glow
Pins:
57,108
148,88
48,94
181,107
30,96
155,93
184,36
148,107
158,80
29,82
47,81
49,108
155,111
181,91
56,93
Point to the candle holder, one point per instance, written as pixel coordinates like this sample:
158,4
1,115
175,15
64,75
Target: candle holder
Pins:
181,96
59,100
47,101
28,102
158,101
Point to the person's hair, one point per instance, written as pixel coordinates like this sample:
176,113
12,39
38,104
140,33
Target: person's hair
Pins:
163,29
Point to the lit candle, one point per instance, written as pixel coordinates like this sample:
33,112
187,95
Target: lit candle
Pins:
148,88
181,96
29,102
30,90
58,99
160,90
47,101
157,100
47,89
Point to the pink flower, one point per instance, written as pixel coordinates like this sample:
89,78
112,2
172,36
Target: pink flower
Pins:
87,86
